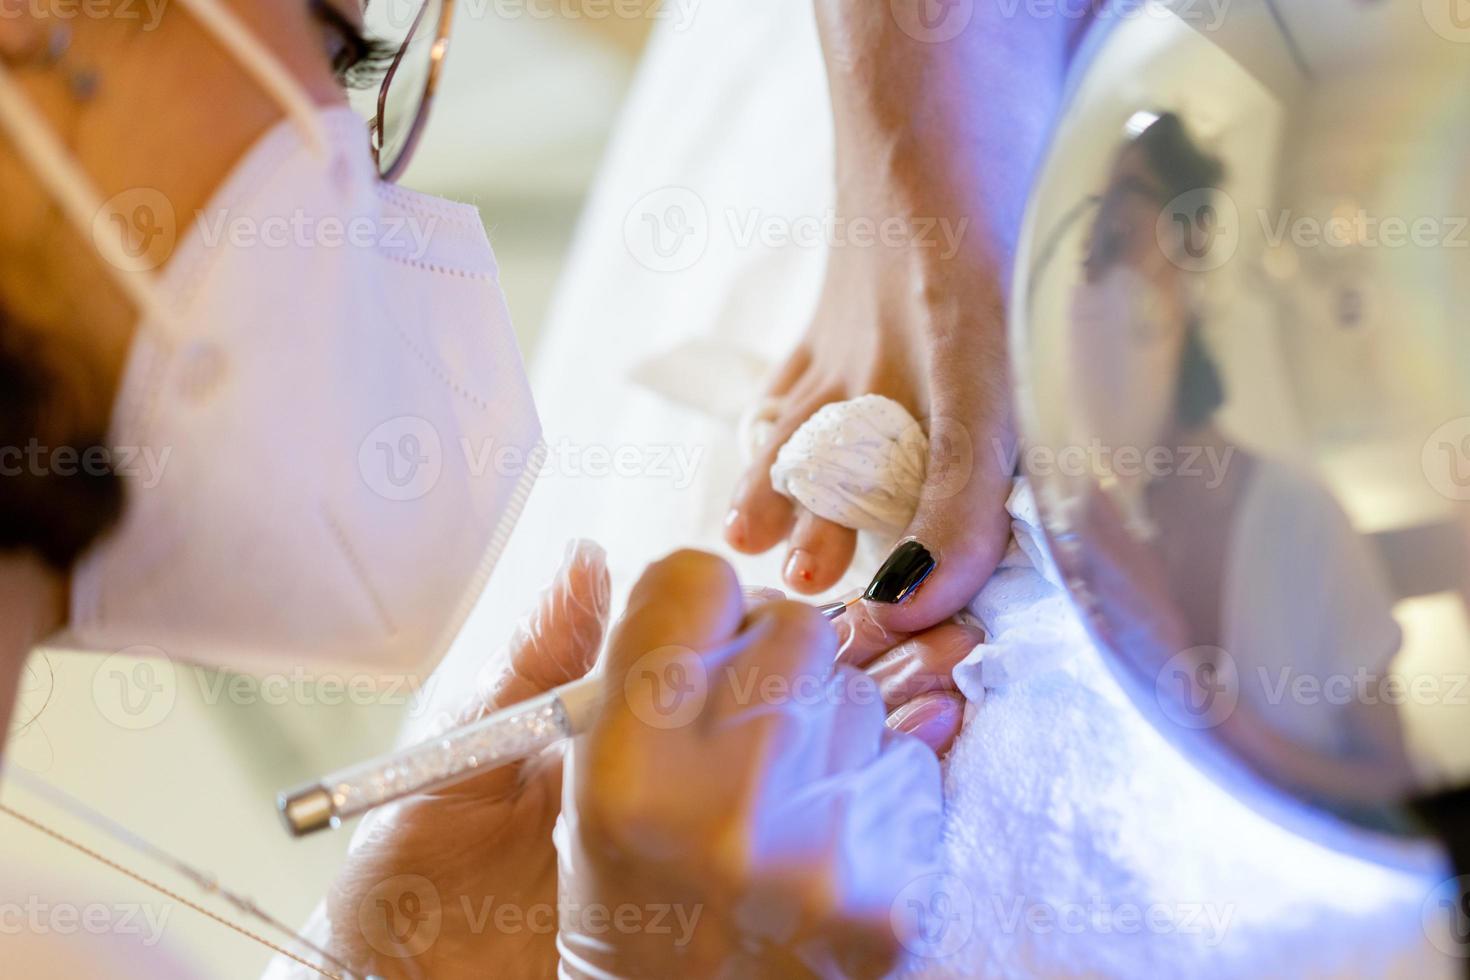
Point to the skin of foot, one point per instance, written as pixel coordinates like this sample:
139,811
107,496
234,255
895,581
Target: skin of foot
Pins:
941,112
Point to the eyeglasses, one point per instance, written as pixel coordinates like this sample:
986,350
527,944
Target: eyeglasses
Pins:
420,31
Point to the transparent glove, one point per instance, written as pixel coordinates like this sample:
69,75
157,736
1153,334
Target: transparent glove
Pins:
914,671
739,808
462,882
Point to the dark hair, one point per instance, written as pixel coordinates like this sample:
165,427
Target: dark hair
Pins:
1176,160
58,490
1182,168
1447,816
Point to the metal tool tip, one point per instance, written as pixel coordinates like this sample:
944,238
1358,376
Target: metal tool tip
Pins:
833,611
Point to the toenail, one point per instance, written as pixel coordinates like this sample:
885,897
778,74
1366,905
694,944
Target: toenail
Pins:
932,720
800,566
902,574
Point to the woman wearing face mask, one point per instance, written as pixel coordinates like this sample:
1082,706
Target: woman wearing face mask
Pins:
1199,550
204,267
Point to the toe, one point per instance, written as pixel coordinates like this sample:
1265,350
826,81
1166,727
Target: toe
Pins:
861,639
820,553
935,719
923,663
759,518
961,529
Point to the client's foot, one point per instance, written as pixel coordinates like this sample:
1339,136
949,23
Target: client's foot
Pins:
921,325
938,133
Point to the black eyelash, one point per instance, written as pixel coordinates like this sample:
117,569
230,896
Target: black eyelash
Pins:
368,63
361,62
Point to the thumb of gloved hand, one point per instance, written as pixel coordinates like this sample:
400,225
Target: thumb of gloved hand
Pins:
558,641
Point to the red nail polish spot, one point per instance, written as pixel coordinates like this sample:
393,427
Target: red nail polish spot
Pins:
799,567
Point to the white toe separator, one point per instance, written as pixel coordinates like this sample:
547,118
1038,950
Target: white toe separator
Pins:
857,463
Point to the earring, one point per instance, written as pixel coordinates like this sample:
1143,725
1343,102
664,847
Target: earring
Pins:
81,83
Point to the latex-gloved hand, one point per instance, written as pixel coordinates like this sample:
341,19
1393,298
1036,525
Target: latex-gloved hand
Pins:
739,808
914,671
461,883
